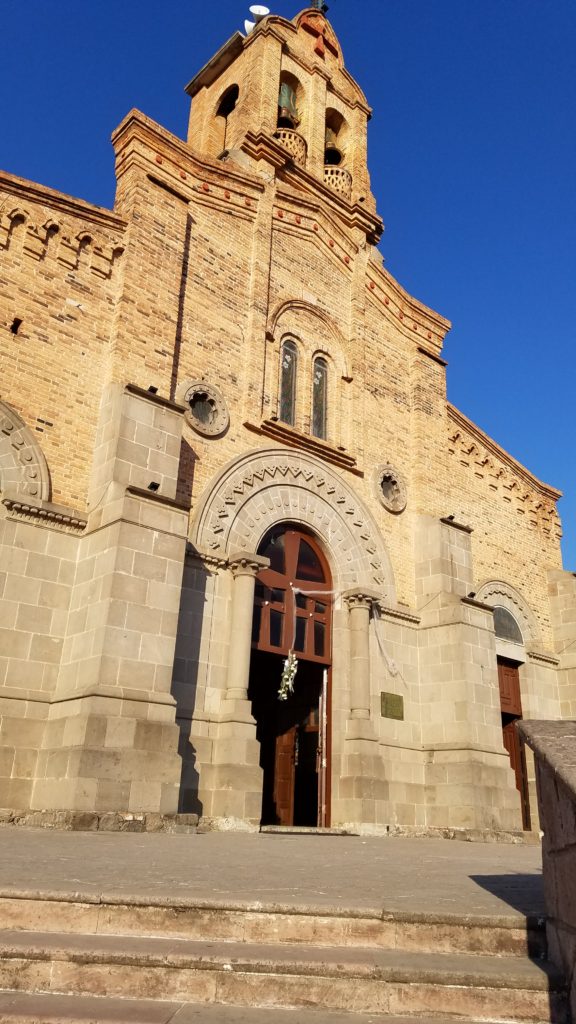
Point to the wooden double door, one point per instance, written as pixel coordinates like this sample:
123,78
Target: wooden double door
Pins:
293,612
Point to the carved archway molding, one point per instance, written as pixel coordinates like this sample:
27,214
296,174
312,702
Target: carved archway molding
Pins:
264,488
23,467
497,592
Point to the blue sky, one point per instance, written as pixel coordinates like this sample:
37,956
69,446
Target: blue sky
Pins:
472,156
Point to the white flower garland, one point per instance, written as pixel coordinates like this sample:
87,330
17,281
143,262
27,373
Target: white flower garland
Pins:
288,676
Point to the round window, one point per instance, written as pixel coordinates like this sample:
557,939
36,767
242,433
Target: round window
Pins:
206,409
391,488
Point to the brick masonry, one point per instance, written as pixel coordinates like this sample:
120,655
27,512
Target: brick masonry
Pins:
120,515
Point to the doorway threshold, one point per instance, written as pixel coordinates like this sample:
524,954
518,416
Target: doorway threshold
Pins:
304,830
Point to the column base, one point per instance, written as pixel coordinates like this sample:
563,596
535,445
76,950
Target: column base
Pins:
477,791
230,786
105,762
362,788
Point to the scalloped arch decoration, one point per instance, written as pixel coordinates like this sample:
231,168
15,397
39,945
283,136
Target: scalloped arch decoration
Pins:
264,488
23,467
501,593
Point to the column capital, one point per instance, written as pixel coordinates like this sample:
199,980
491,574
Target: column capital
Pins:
361,597
246,564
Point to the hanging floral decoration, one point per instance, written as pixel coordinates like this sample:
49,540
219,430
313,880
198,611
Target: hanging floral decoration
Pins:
288,676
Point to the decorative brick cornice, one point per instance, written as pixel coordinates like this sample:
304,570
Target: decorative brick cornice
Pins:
31,192
514,483
416,320
462,421
170,162
71,227
261,146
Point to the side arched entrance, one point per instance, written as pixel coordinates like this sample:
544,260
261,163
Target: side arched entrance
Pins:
293,613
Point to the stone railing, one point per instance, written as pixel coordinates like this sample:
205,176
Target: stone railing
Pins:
339,179
554,746
294,143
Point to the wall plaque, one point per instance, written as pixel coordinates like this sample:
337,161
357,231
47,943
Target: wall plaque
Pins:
392,706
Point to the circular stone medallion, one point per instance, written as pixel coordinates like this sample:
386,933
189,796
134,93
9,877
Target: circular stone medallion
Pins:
206,409
391,488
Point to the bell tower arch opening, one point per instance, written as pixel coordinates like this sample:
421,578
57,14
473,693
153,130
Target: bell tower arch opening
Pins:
293,614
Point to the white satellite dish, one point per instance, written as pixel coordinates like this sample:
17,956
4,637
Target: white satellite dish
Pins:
248,26
258,12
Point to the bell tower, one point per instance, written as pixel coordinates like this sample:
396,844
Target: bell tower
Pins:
282,93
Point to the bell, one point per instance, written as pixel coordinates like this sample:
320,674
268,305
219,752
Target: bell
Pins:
333,153
287,113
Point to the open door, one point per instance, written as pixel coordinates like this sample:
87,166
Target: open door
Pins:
293,611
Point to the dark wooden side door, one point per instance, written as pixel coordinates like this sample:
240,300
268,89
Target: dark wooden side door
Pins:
511,709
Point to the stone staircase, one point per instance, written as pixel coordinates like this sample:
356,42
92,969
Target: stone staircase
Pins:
154,961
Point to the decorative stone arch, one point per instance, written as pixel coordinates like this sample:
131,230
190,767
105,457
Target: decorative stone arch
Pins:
497,592
297,307
23,467
264,488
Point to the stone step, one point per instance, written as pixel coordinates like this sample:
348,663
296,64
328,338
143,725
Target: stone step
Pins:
24,1008
363,980
512,935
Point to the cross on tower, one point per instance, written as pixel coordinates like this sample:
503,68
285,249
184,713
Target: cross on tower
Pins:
317,26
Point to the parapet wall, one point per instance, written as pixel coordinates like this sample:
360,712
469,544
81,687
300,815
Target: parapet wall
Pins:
554,746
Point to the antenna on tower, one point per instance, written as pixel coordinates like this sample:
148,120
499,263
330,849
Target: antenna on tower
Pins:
258,12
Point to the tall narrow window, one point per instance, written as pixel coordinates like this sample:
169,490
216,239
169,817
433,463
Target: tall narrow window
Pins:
319,397
225,107
288,382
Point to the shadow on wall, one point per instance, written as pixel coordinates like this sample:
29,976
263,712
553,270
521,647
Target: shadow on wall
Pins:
185,678
185,482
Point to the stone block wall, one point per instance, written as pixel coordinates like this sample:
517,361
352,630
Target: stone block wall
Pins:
38,562
562,588
554,746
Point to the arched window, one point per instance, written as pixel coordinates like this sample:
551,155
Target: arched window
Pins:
288,366
506,627
225,107
319,397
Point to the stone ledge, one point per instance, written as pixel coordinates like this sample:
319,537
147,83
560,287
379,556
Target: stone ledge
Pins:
111,821
555,743
307,442
45,513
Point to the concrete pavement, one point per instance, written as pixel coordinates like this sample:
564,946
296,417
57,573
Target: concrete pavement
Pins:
431,876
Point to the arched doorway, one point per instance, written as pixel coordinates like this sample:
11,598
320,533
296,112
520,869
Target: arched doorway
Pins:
293,612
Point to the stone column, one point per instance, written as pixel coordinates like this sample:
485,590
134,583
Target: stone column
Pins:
231,790
244,569
359,607
363,788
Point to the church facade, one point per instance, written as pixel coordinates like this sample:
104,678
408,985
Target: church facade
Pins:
254,565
